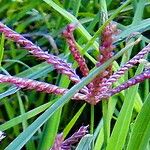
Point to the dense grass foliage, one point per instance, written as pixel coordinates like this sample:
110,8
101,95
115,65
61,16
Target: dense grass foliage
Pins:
32,120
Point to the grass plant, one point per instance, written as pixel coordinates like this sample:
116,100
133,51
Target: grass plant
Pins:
74,74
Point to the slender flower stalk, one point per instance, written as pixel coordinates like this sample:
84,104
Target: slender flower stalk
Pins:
68,34
58,63
38,86
66,144
135,80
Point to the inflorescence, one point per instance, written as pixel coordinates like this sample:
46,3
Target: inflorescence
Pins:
61,144
100,88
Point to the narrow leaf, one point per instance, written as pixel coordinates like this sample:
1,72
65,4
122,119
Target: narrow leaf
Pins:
141,130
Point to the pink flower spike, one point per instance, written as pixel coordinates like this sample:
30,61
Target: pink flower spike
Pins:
135,80
127,66
58,142
106,48
66,145
58,63
68,34
38,86
61,144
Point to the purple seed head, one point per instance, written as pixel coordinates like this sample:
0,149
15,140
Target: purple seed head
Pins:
106,53
58,142
38,86
68,34
66,145
58,63
61,144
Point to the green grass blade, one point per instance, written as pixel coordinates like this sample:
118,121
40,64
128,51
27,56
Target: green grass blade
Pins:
73,121
141,27
11,113
100,137
106,129
50,131
51,127
2,48
76,8
141,129
30,144
120,130
85,143
27,115
139,12
108,2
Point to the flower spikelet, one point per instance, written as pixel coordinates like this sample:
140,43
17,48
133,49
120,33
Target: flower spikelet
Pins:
38,86
113,78
68,34
58,142
135,80
61,144
106,53
58,63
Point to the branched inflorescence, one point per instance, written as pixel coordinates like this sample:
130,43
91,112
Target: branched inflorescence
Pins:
135,80
99,88
66,144
58,63
113,78
106,53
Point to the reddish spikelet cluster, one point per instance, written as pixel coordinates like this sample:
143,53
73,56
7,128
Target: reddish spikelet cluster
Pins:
66,144
135,80
58,142
107,47
113,78
38,86
106,53
99,88
58,63
68,34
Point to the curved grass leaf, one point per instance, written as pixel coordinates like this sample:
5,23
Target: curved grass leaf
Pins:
139,12
73,121
85,142
141,27
141,129
120,130
27,115
99,136
2,48
51,127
